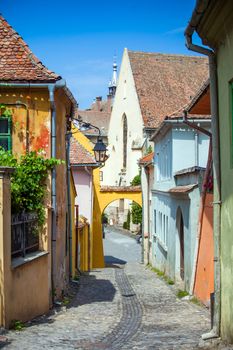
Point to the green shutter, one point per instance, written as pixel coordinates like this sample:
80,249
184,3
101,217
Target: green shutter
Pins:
5,133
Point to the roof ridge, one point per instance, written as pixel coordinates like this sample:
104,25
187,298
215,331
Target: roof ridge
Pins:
167,54
22,45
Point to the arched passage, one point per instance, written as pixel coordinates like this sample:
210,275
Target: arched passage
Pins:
102,198
117,217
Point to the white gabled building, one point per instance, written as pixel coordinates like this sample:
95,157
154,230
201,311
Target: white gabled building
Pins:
125,130
150,87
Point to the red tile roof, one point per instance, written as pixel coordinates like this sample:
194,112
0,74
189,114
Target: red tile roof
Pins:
200,104
79,155
165,83
120,189
97,118
147,159
17,62
182,189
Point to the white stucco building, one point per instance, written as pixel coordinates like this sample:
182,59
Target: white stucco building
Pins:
150,87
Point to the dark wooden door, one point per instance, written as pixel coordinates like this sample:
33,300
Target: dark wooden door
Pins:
181,247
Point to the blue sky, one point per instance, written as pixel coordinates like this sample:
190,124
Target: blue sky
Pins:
78,39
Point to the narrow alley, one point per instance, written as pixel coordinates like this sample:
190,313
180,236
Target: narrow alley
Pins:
124,306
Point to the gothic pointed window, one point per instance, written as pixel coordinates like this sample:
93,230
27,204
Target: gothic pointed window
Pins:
125,134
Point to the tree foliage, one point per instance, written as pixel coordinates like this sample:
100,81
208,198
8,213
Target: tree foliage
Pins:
136,180
136,211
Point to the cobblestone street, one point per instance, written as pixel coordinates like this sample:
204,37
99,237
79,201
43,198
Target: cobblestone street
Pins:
120,307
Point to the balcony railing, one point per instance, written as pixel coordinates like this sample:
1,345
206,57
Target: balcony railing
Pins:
24,234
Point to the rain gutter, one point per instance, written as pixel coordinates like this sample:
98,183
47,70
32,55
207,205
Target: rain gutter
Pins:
200,8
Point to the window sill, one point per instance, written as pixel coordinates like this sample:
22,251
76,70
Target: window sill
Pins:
16,262
162,245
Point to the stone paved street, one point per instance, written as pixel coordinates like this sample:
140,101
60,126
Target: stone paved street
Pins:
121,307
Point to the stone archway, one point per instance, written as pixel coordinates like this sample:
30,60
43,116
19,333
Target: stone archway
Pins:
103,196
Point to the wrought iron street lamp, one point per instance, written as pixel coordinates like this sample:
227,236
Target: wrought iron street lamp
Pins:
100,148
100,151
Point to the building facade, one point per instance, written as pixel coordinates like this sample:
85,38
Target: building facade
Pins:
180,160
212,21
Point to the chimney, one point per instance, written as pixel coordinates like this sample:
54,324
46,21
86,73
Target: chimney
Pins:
98,102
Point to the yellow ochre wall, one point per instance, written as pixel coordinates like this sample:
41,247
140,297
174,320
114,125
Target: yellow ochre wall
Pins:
23,289
26,290
83,242
101,201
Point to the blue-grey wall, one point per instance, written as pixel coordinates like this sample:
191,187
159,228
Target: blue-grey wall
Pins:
180,147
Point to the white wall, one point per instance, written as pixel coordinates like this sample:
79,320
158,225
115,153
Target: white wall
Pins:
84,199
126,102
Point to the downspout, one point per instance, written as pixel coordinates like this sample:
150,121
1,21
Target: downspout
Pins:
143,232
203,194
144,209
148,213
196,150
69,135
51,88
198,12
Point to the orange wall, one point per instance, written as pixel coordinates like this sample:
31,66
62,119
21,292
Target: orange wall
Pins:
204,281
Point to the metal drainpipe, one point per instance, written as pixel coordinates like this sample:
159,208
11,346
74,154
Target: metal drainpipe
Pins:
215,332
203,194
51,88
142,229
196,150
148,214
69,135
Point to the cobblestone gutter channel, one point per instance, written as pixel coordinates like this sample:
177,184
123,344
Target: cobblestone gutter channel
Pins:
131,314
131,318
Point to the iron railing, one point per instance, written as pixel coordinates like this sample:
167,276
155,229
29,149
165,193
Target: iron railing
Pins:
24,234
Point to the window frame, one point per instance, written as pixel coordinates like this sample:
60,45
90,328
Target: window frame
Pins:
7,136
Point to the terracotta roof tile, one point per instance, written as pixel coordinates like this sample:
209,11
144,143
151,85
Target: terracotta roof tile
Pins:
165,83
200,104
97,118
147,159
79,155
182,189
120,189
17,62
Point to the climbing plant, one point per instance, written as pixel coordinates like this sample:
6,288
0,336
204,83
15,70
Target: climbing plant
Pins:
28,182
5,112
136,209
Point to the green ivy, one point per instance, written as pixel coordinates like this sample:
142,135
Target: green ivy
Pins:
136,211
5,112
28,182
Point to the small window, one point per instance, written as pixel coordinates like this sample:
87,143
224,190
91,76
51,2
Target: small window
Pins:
5,133
155,229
